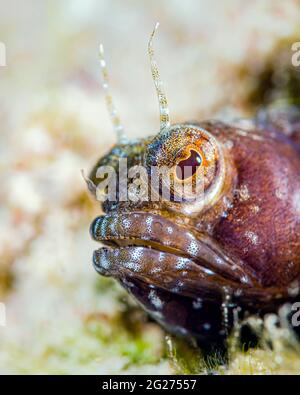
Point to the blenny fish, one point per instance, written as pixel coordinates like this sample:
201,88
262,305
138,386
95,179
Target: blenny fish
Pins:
233,250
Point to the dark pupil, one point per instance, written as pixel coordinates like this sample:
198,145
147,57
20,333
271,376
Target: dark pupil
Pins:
188,167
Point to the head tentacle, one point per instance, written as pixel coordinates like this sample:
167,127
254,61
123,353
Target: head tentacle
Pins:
162,99
115,119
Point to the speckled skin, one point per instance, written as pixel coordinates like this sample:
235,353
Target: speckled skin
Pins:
238,253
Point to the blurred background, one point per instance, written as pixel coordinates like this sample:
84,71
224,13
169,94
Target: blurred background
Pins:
217,59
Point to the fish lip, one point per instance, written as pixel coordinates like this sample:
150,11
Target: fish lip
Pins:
211,287
190,282
128,230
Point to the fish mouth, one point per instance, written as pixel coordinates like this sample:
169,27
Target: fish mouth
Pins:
154,249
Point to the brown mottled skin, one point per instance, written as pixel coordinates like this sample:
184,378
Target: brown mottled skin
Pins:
239,252
269,169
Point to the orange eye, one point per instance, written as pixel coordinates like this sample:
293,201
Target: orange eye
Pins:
190,163
186,168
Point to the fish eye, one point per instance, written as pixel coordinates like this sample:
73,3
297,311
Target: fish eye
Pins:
191,162
188,166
